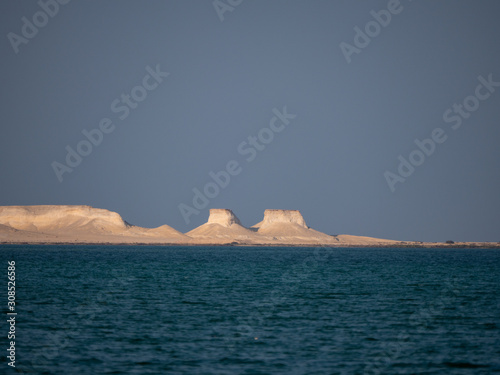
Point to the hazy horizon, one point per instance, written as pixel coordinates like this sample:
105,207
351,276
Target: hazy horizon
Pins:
137,108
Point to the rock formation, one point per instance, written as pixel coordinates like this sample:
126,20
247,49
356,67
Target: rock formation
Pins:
224,217
282,216
54,218
290,227
222,227
85,224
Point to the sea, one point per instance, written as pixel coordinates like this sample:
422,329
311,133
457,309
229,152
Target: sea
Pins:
250,310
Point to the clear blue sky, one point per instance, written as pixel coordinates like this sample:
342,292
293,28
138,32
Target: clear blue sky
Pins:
353,119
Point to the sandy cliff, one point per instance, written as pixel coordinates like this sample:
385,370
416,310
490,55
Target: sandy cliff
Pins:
223,217
283,217
279,227
289,226
84,224
57,218
222,227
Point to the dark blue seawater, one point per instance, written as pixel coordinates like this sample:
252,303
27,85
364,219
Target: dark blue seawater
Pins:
230,310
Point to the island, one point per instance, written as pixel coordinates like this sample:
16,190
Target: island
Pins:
81,224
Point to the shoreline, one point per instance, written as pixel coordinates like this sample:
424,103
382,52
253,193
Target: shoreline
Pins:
88,226
436,245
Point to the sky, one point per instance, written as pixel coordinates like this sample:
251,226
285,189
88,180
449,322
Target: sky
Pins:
374,118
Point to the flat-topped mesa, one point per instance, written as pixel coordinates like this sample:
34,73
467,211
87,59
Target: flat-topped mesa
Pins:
58,217
222,227
283,216
223,217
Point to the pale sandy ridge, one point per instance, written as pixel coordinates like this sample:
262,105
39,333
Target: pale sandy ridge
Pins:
84,224
223,227
279,227
289,225
77,224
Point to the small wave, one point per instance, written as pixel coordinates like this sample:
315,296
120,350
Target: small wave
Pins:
463,365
